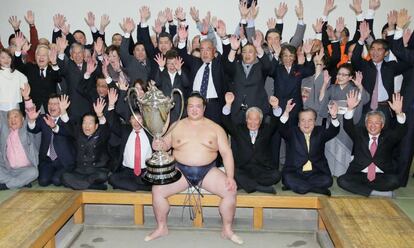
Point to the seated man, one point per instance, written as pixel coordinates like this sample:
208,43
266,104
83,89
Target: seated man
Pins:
371,172
252,154
306,168
196,142
135,149
19,155
56,153
91,171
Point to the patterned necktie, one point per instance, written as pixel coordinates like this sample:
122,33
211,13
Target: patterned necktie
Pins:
374,97
52,152
253,135
137,157
308,165
204,81
42,73
371,167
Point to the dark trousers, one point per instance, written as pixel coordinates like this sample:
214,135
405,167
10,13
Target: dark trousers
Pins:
213,111
405,150
50,172
83,177
251,176
306,182
358,183
276,142
127,180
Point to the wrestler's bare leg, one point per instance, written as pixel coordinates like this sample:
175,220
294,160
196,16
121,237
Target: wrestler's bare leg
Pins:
161,206
214,182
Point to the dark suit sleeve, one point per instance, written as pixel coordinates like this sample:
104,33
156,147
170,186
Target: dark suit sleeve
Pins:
350,128
121,106
126,57
330,132
401,52
144,37
279,26
357,60
113,122
228,123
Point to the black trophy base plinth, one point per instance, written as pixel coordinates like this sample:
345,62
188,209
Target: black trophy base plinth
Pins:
168,175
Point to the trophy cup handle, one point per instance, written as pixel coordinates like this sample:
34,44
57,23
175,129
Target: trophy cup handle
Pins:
130,90
175,90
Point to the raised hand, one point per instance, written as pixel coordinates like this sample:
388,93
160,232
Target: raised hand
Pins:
403,18
61,44
25,92
14,22
234,43
162,17
333,109
299,10
253,11
112,97
289,106
364,31
90,19
90,66
169,14
358,80
356,6
274,102
281,11
319,56
32,114
271,23
397,103
352,99
214,22
244,11
160,59
128,25
317,27
30,18
26,46
157,28
276,48
326,78
329,7
180,14
374,4
195,14
99,106
221,28
178,63
229,98
105,64
104,23
49,121
64,103
392,19
145,13
182,34
19,40
59,20
53,52
340,24
65,28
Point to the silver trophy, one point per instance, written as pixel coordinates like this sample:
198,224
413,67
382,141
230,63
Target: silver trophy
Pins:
155,109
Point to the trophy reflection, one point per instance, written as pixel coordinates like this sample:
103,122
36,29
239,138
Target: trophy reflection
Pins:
155,109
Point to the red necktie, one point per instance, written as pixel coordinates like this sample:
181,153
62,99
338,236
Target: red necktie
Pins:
371,167
137,158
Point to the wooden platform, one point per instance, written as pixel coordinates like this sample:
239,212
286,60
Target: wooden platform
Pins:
366,222
32,218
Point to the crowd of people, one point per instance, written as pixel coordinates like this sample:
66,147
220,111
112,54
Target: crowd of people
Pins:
299,111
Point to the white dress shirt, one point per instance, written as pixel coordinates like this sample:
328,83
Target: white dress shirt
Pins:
129,152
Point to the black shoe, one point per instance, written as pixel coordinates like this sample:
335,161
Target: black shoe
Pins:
29,185
321,191
285,188
3,186
266,189
98,186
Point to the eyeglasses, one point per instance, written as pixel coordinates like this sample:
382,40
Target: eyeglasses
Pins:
343,74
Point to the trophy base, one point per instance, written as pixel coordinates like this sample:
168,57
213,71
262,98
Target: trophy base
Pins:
161,174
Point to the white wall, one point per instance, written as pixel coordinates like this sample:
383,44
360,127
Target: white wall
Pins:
75,11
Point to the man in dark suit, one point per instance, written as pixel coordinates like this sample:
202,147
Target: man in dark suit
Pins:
372,172
42,77
135,149
206,74
252,154
378,74
169,76
306,168
91,171
56,153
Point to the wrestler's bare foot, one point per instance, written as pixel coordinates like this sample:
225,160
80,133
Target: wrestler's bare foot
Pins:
232,236
157,233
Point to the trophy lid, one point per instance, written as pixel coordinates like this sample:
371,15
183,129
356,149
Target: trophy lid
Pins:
154,96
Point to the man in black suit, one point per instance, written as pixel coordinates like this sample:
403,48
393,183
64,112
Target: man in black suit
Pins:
372,172
378,74
42,77
135,149
91,171
252,154
306,168
169,76
206,74
56,153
